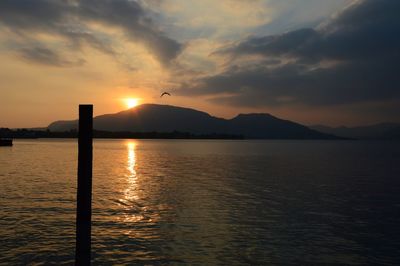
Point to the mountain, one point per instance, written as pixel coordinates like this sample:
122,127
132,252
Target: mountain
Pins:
270,127
166,118
377,131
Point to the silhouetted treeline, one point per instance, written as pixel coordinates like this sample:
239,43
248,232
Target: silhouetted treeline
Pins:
27,133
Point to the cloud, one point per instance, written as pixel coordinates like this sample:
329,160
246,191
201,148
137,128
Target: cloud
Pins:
129,16
76,21
353,57
46,56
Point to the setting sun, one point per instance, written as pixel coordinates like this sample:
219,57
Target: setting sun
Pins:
131,102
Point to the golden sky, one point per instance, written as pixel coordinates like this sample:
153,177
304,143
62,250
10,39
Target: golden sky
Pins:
208,54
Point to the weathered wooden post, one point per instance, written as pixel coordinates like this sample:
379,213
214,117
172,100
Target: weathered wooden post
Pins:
84,193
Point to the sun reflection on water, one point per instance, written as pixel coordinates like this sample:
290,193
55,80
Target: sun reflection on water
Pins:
132,212
132,161
137,210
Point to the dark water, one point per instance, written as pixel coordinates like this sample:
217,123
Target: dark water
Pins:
205,202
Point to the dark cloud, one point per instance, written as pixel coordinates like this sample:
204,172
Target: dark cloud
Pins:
70,19
274,45
352,58
365,29
46,56
129,16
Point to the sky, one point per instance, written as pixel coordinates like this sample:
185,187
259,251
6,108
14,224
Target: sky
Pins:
331,62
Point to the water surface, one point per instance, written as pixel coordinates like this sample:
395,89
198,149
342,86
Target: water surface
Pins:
205,202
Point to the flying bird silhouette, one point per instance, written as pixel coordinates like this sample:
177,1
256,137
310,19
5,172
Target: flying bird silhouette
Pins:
165,93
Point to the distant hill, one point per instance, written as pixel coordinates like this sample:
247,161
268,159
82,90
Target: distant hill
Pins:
377,131
166,118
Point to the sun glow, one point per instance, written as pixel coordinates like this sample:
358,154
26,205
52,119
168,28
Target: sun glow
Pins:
131,102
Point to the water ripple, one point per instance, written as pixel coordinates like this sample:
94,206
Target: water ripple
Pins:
205,203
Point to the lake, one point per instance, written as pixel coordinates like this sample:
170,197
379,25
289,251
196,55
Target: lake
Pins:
205,202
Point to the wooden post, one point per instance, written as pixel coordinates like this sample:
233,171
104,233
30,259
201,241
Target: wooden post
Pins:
84,193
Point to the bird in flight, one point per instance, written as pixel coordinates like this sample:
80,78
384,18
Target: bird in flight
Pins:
165,93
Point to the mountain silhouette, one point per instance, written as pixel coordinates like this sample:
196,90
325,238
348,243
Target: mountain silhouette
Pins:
377,131
166,118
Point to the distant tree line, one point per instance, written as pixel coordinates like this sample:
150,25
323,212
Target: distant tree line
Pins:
32,134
